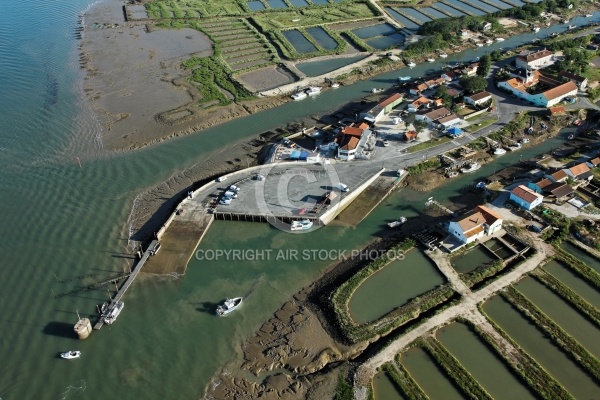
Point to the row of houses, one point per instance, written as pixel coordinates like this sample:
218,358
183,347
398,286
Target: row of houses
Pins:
529,84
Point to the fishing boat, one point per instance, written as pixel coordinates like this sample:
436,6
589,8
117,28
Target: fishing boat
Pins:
472,167
572,26
313,90
299,95
228,306
499,151
452,174
69,355
515,147
397,222
404,78
335,85
431,59
303,225
535,29
479,44
554,34
113,312
489,41
377,90
588,15
499,39
411,64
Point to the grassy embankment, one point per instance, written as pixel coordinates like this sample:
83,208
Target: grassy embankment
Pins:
567,294
403,381
586,272
524,365
453,368
561,338
356,332
526,368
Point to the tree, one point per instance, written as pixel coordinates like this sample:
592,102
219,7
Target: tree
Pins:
495,56
419,126
442,93
485,63
473,84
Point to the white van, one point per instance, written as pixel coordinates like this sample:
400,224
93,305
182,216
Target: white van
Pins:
225,201
343,187
220,179
230,194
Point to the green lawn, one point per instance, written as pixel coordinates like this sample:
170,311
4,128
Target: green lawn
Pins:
428,144
481,124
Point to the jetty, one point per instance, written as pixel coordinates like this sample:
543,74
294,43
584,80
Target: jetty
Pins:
129,281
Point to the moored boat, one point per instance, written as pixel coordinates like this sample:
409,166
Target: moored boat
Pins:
404,78
69,355
335,85
313,90
499,39
377,90
113,312
499,151
572,26
431,59
411,64
472,167
299,95
228,306
452,174
489,41
588,15
535,29
397,222
306,224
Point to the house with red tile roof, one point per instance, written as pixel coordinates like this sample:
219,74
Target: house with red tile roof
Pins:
580,172
481,221
526,89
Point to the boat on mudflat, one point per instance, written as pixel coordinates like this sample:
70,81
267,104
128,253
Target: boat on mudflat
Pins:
228,306
499,151
313,90
113,312
299,95
472,167
397,222
69,355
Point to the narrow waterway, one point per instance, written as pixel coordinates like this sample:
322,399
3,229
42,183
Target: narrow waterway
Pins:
561,312
384,388
538,345
429,376
586,290
483,363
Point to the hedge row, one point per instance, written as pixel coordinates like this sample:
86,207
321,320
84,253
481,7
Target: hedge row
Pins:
552,329
400,376
578,266
465,381
528,369
567,294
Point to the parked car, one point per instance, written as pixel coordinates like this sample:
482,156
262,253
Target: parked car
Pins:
220,179
234,188
534,228
155,249
225,201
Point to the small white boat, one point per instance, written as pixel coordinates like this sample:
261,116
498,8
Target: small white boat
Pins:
69,355
299,95
479,44
572,26
499,39
499,151
489,41
515,147
554,34
565,21
431,59
113,312
411,64
335,85
404,78
524,140
306,224
452,174
377,90
588,15
472,167
313,90
535,29
228,306
397,222
386,143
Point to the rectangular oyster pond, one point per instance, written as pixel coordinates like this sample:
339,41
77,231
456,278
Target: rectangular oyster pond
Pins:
384,388
374,30
256,5
300,43
393,286
322,38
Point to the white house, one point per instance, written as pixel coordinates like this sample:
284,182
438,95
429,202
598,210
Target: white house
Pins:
536,60
448,121
525,197
478,98
476,224
350,138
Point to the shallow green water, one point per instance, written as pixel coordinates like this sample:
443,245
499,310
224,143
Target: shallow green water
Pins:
393,286
384,388
587,291
482,363
536,344
429,376
471,259
567,317
582,255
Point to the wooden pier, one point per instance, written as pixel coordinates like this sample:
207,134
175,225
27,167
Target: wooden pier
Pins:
129,281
